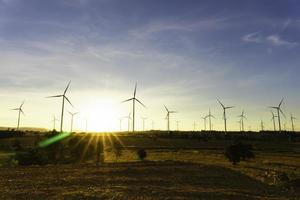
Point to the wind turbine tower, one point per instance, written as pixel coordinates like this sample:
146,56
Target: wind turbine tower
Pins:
224,114
278,108
64,97
134,99
19,114
168,117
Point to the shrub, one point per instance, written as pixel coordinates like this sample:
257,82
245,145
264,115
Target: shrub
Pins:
32,157
237,152
16,145
142,154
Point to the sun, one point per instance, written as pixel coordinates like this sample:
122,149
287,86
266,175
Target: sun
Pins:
101,116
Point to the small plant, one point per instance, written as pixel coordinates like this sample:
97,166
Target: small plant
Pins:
142,154
117,152
237,152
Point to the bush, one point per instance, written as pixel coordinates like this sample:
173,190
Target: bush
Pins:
32,157
16,145
237,152
142,154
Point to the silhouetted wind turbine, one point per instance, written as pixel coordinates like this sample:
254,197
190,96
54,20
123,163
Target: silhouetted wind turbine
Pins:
242,117
273,119
133,99
209,119
19,114
292,120
72,118
278,108
168,116
64,97
54,121
224,114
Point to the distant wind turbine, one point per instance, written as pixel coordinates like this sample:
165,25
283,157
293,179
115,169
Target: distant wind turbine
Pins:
64,97
278,108
120,121
292,120
133,99
168,116
204,121
209,119
262,126
152,125
144,119
72,118
54,120
273,119
224,114
128,117
177,125
242,117
19,114
194,124
240,124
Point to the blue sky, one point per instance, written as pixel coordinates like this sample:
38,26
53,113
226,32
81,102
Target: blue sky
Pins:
184,54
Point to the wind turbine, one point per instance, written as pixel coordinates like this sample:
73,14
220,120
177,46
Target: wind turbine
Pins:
224,114
133,99
177,125
240,124
144,119
262,126
120,120
19,115
278,108
292,120
242,117
204,121
194,124
168,116
54,121
128,117
273,119
152,125
72,118
209,119
64,97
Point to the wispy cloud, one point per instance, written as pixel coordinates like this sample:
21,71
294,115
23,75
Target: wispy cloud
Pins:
274,40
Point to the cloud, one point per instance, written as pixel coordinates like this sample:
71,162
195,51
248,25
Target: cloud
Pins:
274,40
252,37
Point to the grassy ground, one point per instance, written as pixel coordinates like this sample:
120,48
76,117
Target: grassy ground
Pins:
175,169
142,180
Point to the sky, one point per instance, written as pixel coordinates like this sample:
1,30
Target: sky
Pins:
182,53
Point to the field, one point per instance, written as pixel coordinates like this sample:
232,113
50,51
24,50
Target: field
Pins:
175,168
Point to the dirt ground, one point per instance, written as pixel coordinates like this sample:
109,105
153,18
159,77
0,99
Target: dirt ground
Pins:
137,180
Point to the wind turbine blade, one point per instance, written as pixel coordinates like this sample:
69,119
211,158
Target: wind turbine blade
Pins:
69,101
54,96
22,104
173,111
140,102
67,87
16,109
166,108
221,103
134,93
228,107
280,102
282,113
273,107
22,112
127,100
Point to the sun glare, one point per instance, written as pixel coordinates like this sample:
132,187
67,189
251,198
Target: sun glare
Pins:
101,116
